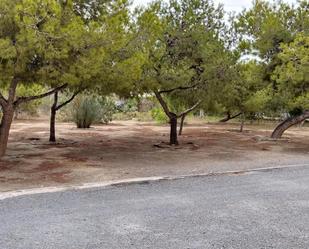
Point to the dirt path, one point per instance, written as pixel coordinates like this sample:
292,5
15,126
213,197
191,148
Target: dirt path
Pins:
124,150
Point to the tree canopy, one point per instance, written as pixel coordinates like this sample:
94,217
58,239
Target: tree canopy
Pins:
187,54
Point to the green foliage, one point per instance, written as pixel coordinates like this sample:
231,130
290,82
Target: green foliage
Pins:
257,102
30,108
276,33
159,116
51,42
100,46
268,24
107,110
292,75
34,34
245,91
184,49
127,105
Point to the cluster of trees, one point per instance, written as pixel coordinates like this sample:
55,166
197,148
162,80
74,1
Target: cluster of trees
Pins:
187,53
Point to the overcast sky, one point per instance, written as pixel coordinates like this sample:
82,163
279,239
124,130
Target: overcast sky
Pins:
230,5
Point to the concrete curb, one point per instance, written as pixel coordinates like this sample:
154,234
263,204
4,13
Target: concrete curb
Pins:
23,192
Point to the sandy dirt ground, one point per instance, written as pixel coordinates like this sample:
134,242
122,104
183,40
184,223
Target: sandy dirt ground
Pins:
123,150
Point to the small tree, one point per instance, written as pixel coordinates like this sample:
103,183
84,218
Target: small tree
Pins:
56,106
32,33
103,25
182,47
245,91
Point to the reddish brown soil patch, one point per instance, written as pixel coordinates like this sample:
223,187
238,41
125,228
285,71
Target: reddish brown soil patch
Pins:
126,150
59,177
48,165
73,157
43,167
6,165
58,145
33,155
4,179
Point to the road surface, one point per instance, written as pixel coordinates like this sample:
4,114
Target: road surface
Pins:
264,209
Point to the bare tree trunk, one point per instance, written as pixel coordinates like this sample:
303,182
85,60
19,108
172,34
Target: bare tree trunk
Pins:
52,130
183,117
287,123
5,126
173,133
173,116
242,122
53,112
8,108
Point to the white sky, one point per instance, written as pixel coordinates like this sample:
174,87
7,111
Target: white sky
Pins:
230,5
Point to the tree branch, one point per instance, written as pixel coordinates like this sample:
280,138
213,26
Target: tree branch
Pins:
163,103
21,100
179,88
190,109
68,101
12,90
229,117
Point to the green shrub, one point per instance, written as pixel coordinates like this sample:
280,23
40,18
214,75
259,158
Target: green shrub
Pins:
127,105
89,109
108,109
144,116
85,111
159,116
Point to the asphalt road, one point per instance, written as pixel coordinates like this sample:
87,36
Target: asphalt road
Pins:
267,209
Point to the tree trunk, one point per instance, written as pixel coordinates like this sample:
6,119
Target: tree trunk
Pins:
173,133
183,117
52,128
287,123
242,122
53,112
227,118
5,126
